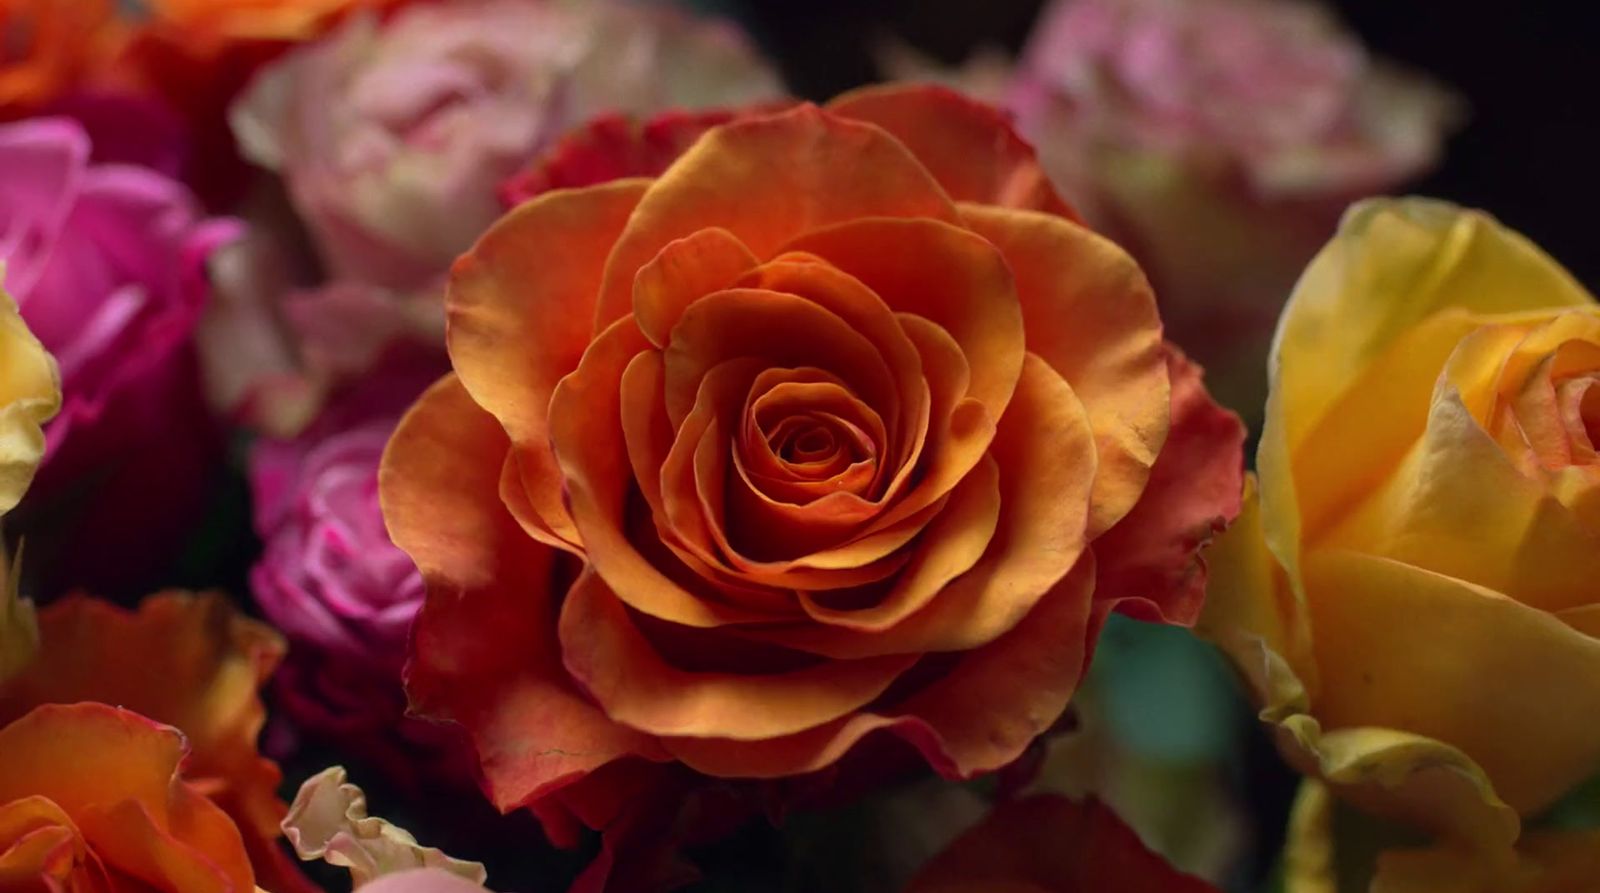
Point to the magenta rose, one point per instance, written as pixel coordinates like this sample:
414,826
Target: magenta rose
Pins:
342,593
329,577
105,263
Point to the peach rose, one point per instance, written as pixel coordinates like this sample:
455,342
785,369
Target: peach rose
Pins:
91,798
187,661
1413,597
841,425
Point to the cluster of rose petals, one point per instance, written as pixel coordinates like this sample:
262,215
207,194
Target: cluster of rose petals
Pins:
1411,597
393,136
841,425
329,576
92,798
1275,87
104,260
342,593
189,662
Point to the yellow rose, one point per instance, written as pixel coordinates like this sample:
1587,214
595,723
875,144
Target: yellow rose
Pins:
1413,598
30,395
1547,861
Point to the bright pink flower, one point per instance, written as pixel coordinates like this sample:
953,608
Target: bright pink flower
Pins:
104,261
329,576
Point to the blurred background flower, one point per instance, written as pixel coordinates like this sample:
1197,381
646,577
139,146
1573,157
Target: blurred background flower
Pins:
53,48
104,262
1216,140
344,595
392,138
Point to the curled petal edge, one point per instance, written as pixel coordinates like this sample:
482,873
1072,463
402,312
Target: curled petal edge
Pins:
1251,615
329,821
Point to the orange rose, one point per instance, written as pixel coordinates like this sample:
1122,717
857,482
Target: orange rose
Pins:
1049,844
211,22
91,800
190,662
52,46
841,425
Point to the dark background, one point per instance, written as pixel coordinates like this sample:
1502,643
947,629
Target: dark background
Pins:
1530,72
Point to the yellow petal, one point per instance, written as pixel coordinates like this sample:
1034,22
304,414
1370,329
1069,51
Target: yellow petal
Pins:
1392,264
329,821
19,624
30,395
1253,616
1549,862
1513,687
1308,850
1458,506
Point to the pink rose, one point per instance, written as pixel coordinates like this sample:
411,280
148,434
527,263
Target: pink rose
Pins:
104,261
1273,85
329,576
393,136
341,592
1219,140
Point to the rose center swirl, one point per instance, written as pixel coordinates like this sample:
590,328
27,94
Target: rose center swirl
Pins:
805,435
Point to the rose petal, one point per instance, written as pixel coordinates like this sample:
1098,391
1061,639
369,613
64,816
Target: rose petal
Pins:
139,816
1151,561
848,298
1510,672
977,717
767,179
1253,615
781,330
969,147
694,484
587,434
683,272
422,880
946,274
610,147
520,306
953,541
329,821
1393,263
1459,486
484,650
1048,843
192,662
622,670
1090,313
648,436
